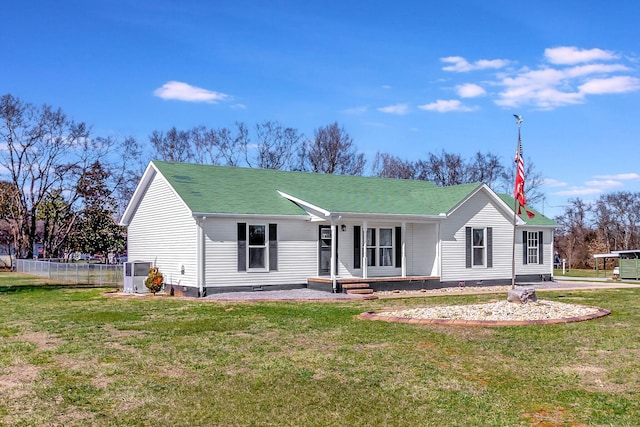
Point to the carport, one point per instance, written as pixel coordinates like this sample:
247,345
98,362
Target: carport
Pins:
604,262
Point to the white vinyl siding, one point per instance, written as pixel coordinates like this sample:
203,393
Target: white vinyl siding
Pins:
479,212
163,232
297,253
547,256
421,249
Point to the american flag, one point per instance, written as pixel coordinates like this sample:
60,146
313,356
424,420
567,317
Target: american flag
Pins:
519,187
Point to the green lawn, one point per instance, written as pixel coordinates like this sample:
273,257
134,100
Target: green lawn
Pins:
585,273
74,357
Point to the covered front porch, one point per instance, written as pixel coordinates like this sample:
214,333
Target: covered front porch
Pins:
361,285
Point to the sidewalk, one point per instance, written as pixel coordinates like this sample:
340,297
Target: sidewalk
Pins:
570,282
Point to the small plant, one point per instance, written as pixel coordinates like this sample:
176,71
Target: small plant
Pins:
154,281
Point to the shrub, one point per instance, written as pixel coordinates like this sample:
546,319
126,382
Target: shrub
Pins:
154,281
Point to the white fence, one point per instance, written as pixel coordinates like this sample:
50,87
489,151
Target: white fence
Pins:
77,273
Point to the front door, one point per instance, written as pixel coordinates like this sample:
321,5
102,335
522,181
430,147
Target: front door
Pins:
324,251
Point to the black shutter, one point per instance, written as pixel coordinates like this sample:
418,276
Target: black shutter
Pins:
357,246
468,246
398,247
489,247
273,247
524,247
540,248
242,246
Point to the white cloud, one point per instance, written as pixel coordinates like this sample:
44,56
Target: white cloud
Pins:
185,92
548,87
578,191
398,109
607,183
621,176
565,55
585,70
616,84
355,111
470,90
446,106
461,65
550,182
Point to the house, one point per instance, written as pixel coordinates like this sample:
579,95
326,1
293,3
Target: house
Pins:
218,228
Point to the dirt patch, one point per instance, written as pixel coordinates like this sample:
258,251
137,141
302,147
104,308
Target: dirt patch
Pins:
42,340
16,381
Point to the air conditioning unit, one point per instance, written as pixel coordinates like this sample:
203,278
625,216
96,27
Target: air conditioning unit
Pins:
135,273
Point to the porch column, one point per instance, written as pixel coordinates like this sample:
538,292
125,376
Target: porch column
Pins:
364,250
404,247
333,256
200,256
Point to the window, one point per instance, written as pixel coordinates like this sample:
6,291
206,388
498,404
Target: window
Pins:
478,246
371,247
257,247
380,247
386,247
532,247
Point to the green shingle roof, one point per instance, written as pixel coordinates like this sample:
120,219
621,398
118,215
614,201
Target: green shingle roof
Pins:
539,218
210,189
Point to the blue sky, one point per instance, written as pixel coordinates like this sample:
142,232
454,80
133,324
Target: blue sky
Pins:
402,77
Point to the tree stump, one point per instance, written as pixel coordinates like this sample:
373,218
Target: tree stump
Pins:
522,296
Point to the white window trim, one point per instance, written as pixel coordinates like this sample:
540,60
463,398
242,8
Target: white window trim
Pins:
265,246
533,254
483,247
376,249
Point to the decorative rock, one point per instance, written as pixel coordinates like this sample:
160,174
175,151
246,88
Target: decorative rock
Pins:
522,296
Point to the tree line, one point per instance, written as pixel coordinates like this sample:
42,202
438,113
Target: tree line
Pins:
610,223
65,189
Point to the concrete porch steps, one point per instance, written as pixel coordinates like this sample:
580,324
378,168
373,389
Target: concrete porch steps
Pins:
357,288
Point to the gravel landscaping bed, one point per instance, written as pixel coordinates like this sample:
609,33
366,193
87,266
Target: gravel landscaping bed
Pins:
498,310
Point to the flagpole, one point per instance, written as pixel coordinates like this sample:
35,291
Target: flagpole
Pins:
515,216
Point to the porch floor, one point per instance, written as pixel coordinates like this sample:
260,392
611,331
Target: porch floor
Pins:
359,284
372,280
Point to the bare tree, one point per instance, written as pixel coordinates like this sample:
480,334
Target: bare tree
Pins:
617,218
43,152
387,166
206,145
232,144
443,170
485,168
274,148
333,152
173,146
575,233
533,181
127,172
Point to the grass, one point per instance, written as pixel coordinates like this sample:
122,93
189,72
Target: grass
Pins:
74,357
588,273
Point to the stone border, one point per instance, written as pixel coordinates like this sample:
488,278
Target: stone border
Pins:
372,315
